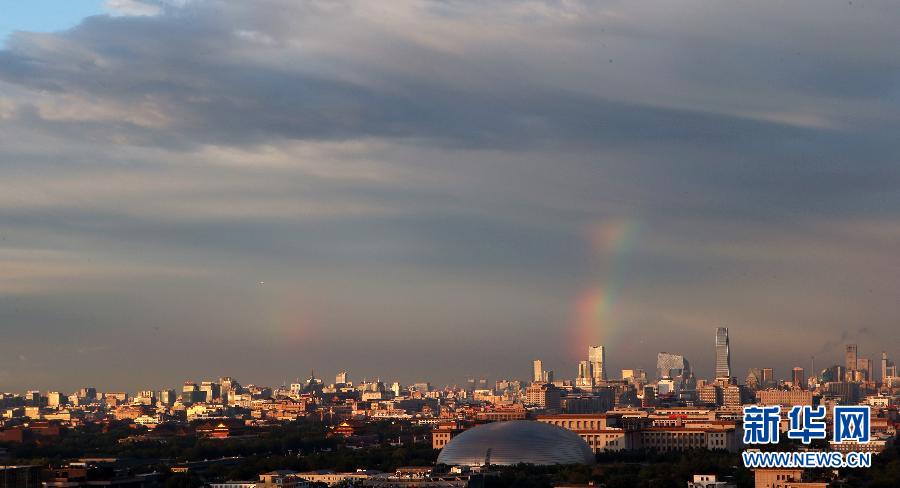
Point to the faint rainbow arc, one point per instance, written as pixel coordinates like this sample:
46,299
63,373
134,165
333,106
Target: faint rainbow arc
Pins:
612,243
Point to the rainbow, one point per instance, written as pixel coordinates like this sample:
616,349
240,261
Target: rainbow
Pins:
287,317
594,314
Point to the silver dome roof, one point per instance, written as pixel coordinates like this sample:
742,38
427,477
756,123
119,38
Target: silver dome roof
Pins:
515,442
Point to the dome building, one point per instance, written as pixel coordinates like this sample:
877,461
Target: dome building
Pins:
516,442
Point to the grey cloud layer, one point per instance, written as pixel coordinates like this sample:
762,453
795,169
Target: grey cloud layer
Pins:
368,155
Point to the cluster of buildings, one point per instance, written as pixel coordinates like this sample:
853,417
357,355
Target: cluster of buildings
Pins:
669,410
410,476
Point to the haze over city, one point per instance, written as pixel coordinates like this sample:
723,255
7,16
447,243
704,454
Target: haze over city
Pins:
431,190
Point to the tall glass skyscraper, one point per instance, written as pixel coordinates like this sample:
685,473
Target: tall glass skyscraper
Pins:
723,354
597,358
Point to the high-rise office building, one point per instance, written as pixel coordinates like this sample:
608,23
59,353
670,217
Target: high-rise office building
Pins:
33,398
851,357
754,379
723,353
867,368
710,395
191,394
544,396
584,378
211,391
145,397
734,396
888,368
55,399
670,365
168,397
798,378
768,377
584,369
341,378
634,375
597,358
229,389
87,393
836,373
538,370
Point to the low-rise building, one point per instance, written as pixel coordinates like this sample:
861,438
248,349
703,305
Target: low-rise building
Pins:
708,481
601,431
685,437
235,484
544,396
784,478
281,479
785,398
442,434
331,478
605,432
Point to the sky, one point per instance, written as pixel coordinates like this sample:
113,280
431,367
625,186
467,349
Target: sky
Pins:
44,15
430,190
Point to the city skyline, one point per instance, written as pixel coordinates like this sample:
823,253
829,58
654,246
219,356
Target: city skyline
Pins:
538,373
442,189
558,366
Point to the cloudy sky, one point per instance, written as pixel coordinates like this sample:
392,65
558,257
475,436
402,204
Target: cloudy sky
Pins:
434,189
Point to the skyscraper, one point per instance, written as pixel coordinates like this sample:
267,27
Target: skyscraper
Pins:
584,369
798,378
851,357
866,367
597,358
230,388
754,378
190,393
585,378
167,397
768,377
538,370
884,365
670,365
212,391
723,353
